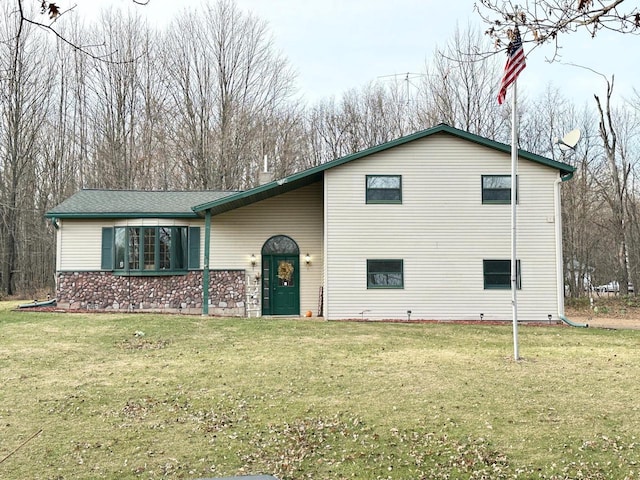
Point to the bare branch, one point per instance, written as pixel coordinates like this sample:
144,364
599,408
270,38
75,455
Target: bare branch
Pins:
51,8
546,20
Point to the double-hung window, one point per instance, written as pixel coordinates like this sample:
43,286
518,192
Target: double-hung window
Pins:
384,188
385,274
497,274
497,189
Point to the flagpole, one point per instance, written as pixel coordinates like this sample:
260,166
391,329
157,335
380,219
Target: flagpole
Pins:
516,62
514,185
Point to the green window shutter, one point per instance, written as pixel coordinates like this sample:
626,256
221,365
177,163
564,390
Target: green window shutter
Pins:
106,262
194,248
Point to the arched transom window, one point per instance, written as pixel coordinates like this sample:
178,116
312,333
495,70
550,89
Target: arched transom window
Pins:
280,245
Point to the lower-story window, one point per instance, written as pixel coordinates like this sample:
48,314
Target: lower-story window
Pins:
151,248
497,274
385,274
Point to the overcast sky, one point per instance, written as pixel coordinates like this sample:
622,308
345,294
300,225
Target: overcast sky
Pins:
335,45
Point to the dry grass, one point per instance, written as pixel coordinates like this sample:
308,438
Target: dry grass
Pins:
152,396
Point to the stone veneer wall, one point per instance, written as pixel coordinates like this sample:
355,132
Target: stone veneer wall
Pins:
173,293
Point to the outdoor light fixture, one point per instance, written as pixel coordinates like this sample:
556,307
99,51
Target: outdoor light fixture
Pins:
307,259
253,260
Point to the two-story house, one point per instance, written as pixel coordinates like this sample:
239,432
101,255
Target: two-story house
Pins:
417,228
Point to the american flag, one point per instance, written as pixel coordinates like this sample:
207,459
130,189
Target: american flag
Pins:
515,64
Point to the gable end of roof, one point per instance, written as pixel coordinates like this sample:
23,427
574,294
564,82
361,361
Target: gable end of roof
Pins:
313,174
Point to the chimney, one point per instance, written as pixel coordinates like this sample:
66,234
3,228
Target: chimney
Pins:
265,176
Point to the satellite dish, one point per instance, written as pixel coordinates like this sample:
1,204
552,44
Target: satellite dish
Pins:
569,141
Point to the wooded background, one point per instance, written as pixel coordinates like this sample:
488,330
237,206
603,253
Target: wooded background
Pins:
199,104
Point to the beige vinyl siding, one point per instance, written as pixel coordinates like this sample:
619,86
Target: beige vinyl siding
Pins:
80,241
441,231
237,234
80,245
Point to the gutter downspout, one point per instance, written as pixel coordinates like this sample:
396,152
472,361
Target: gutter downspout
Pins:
559,260
205,271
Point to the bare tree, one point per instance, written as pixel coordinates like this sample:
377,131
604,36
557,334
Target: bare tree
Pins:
373,114
584,236
23,106
226,80
547,20
120,100
459,87
616,129
46,20
283,144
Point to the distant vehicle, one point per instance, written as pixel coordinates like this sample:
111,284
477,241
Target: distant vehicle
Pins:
612,287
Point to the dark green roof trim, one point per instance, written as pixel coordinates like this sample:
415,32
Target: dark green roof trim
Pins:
278,187
99,204
102,204
120,215
315,174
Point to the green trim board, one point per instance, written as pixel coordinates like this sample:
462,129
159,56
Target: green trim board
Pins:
316,174
149,273
102,204
90,215
107,256
194,248
268,190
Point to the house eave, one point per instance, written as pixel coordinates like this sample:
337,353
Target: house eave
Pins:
315,174
105,215
268,190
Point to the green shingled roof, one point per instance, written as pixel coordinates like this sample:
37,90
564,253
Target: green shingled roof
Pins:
130,203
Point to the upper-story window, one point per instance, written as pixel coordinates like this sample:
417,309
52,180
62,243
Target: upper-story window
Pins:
384,189
497,189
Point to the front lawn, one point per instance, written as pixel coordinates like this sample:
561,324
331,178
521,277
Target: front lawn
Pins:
160,396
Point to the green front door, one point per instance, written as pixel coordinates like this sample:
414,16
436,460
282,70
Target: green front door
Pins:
280,276
282,285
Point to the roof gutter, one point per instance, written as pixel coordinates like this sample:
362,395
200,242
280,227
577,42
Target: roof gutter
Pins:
90,216
567,177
